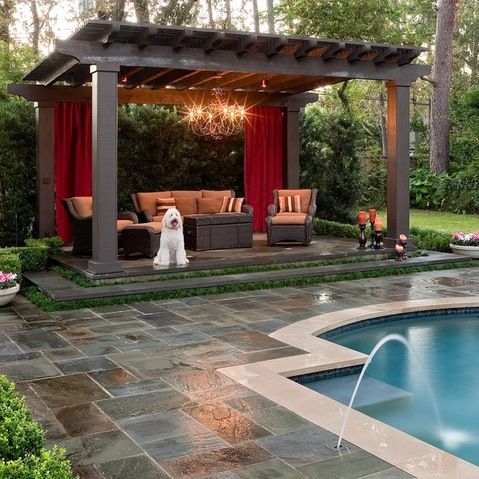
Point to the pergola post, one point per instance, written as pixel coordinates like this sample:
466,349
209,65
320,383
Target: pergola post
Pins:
45,166
397,160
104,176
291,174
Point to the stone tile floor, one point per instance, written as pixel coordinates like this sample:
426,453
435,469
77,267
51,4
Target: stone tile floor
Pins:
132,391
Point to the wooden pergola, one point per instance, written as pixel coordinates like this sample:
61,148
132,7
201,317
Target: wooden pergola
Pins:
109,63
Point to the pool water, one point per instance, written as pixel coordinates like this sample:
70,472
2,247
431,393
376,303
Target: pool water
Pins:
397,390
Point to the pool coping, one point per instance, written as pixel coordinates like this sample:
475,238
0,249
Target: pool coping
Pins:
270,379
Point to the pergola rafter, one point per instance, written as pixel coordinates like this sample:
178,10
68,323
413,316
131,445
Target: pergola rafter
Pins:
153,64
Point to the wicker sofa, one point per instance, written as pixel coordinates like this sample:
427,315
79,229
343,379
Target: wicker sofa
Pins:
204,226
80,212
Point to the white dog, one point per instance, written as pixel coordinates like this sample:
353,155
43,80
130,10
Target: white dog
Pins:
172,243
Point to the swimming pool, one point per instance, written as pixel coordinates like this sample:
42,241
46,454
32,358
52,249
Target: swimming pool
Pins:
397,391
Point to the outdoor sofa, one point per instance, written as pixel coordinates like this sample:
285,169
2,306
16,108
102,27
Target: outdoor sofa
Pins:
207,223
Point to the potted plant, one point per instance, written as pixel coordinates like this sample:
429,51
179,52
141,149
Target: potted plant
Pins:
466,244
8,287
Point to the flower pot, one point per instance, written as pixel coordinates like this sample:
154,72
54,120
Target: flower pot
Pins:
469,251
6,295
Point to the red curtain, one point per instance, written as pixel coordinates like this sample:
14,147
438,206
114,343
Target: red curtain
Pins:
263,159
73,168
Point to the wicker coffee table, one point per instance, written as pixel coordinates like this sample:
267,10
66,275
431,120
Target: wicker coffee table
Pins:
218,231
141,238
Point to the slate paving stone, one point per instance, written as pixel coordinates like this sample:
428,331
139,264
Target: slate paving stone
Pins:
278,420
74,314
392,473
137,388
8,348
200,465
179,339
228,423
87,472
166,318
188,381
104,344
146,307
68,390
137,467
85,365
69,352
11,358
123,327
272,469
111,308
116,317
83,419
159,366
112,377
191,443
76,333
250,403
220,394
303,447
38,340
139,405
348,466
29,370
250,341
100,448
257,356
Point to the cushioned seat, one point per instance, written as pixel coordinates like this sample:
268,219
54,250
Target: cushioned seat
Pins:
290,217
80,212
142,238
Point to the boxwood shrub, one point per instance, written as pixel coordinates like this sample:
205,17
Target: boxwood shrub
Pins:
32,258
10,263
332,228
53,243
22,453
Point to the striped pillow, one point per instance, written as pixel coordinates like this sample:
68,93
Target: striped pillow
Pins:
231,205
289,204
163,204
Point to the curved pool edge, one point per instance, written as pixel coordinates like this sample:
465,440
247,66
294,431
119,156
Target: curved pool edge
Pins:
270,379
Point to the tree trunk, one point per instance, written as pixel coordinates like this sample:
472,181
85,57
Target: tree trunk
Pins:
228,14
118,10
35,26
256,16
442,76
6,10
270,7
211,19
344,97
141,10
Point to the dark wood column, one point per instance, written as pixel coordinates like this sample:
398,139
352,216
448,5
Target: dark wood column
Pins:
105,168
291,163
45,122
397,160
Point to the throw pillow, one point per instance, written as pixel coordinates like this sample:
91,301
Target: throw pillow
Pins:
231,205
163,204
208,206
186,206
289,204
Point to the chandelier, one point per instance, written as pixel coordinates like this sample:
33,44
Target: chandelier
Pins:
217,119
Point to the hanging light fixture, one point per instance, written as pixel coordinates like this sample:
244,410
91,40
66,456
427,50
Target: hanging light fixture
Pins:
216,119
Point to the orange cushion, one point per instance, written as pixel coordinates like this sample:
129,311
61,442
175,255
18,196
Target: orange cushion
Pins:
305,196
156,225
163,204
289,204
120,224
186,206
289,219
216,193
231,205
147,201
186,194
83,205
207,206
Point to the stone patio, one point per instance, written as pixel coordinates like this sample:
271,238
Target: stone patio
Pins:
132,391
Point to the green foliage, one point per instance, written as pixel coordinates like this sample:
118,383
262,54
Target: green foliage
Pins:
20,436
375,181
333,228
53,243
431,240
10,263
156,152
330,163
46,465
32,258
17,171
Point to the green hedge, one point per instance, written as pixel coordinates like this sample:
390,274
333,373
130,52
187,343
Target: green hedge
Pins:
10,263
423,238
53,243
32,258
22,450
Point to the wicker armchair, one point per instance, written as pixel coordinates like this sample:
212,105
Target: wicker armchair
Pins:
80,212
291,226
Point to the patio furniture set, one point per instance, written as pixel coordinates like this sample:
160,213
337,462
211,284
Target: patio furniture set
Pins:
212,219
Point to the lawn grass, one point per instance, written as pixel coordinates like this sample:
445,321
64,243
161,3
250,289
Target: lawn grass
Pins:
440,221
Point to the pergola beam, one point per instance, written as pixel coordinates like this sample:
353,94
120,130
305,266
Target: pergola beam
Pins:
197,59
